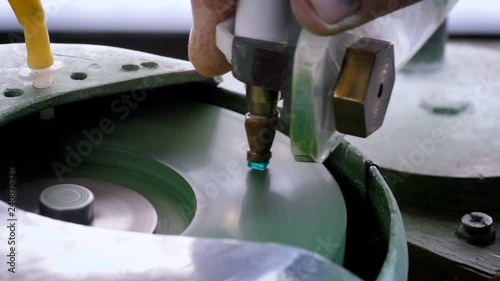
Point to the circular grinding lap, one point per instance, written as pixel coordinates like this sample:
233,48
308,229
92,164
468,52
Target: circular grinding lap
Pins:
293,203
187,160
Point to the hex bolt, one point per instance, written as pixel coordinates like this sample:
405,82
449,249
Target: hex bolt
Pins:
477,228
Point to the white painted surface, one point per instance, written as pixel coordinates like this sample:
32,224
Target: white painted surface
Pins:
174,16
158,16
262,20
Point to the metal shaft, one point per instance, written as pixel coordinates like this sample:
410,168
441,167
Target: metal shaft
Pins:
261,124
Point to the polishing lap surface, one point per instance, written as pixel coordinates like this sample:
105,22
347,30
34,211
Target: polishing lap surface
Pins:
188,160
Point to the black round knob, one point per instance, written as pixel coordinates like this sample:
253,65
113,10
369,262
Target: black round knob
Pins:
67,202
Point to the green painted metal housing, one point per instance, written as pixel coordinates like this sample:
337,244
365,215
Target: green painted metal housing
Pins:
376,244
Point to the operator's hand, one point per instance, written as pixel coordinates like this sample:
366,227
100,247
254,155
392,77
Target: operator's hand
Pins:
323,17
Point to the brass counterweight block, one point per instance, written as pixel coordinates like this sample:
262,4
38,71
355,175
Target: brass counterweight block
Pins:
364,87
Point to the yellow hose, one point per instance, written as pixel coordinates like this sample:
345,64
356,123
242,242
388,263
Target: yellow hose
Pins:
30,15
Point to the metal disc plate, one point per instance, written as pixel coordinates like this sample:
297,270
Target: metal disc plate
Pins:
293,203
189,160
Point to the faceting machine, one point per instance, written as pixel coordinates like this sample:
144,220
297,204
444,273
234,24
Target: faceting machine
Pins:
124,165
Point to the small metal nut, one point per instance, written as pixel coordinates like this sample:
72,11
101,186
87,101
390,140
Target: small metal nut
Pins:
364,87
260,63
477,228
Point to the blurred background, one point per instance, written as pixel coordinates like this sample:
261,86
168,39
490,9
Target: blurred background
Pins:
162,26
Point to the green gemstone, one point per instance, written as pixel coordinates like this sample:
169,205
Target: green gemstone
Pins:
258,166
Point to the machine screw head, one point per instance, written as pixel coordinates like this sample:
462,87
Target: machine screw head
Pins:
477,222
445,105
477,228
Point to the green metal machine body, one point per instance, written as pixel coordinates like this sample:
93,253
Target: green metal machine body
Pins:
108,87
438,152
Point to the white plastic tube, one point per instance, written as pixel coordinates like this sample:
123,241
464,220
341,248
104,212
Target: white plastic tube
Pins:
265,20
41,78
